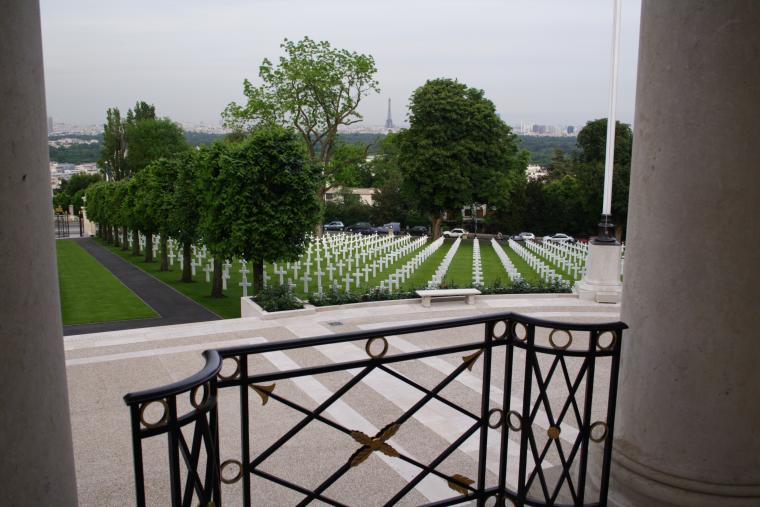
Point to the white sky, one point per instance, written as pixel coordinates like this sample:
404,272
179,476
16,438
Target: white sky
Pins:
539,61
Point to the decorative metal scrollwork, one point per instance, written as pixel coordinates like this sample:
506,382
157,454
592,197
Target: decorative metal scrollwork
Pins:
611,345
564,345
513,328
499,422
456,483
164,417
598,438
503,334
263,391
234,374
553,432
368,347
514,427
372,444
234,478
194,396
471,358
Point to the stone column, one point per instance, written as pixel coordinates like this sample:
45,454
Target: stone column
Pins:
688,420
37,464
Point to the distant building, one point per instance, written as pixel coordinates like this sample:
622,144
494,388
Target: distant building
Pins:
535,172
365,194
570,130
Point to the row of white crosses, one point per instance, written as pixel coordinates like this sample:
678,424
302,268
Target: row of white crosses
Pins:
402,274
510,268
535,262
477,267
570,261
437,278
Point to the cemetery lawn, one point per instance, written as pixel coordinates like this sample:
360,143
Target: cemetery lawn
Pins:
199,291
527,272
90,293
425,272
493,270
459,273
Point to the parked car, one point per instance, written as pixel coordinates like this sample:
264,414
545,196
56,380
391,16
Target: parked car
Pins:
360,228
418,230
335,225
391,226
560,238
454,233
527,235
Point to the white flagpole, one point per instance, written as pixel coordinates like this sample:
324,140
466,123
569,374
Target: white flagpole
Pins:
610,156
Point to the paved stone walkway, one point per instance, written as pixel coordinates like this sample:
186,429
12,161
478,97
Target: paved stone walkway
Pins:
173,307
102,367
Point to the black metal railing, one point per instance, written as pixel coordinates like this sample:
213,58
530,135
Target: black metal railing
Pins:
554,401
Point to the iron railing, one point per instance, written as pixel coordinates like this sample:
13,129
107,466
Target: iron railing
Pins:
549,419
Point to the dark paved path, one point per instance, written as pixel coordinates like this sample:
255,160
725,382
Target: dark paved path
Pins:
173,307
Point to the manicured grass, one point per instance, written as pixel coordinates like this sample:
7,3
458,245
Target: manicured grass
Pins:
460,269
493,270
424,273
90,293
199,290
567,276
527,272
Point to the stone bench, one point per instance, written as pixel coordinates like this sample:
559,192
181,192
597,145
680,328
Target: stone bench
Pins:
429,294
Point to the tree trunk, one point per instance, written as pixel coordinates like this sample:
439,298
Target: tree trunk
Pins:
435,228
187,257
135,242
258,276
321,198
216,283
116,238
149,248
124,242
108,234
164,253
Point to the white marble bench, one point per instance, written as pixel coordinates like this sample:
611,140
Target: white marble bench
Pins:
428,294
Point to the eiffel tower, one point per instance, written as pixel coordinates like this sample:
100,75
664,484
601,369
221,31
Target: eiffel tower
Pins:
389,121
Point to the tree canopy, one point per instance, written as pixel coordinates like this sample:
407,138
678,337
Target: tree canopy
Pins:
456,150
314,88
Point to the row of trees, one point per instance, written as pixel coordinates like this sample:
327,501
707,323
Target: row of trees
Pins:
251,197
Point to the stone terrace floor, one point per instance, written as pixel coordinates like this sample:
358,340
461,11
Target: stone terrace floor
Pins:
102,367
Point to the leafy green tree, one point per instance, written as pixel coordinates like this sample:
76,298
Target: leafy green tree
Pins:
161,176
145,216
141,111
129,212
260,199
71,190
185,210
114,146
315,89
152,139
456,148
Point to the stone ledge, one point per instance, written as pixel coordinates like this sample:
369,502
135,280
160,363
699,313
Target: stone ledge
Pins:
250,309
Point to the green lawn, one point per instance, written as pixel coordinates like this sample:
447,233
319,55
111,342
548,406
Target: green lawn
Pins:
460,269
90,293
528,273
227,307
493,269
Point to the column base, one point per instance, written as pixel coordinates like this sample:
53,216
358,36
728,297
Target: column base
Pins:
602,280
633,484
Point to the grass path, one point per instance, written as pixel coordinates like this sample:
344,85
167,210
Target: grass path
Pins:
90,293
424,273
460,269
493,270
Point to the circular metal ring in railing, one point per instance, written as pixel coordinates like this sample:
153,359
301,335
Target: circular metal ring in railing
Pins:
503,334
611,345
368,347
164,417
499,422
234,374
563,346
598,438
194,395
514,427
522,338
236,477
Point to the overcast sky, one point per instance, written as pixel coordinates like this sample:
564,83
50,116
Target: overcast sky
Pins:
539,61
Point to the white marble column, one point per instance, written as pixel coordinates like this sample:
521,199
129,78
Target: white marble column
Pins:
37,464
688,420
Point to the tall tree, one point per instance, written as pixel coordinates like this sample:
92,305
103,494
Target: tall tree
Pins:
185,212
456,148
151,139
113,150
161,176
315,89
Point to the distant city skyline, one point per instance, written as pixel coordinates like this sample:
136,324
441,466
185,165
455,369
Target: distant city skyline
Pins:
539,61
